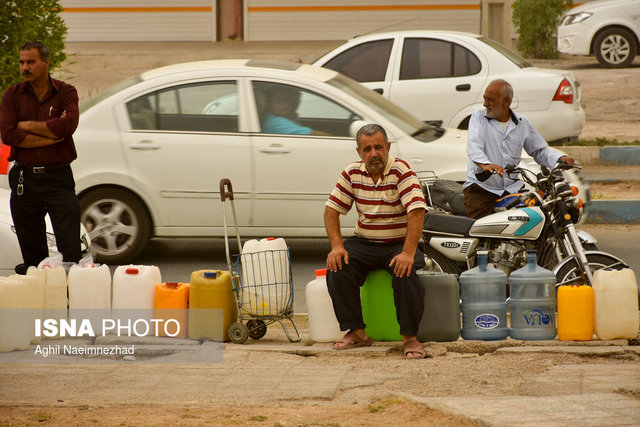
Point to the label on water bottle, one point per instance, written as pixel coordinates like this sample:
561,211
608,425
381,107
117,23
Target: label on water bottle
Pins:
487,321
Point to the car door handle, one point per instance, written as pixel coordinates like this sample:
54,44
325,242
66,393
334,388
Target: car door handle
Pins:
463,88
145,144
416,161
275,148
379,90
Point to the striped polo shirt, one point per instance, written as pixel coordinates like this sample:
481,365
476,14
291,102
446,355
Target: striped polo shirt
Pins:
383,206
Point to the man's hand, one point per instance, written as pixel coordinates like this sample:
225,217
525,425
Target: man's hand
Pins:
402,264
38,128
493,168
334,259
568,160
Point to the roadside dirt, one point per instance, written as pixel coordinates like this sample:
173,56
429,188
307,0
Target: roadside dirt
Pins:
612,112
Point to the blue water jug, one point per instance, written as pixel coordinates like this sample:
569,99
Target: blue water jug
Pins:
484,302
533,302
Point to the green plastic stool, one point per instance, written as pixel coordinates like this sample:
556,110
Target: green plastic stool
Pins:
378,308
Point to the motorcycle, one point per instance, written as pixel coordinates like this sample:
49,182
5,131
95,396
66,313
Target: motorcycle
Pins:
542,218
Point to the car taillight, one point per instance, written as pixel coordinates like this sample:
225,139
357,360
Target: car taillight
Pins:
564,92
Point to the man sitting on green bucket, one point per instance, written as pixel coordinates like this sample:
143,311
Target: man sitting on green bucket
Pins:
391,209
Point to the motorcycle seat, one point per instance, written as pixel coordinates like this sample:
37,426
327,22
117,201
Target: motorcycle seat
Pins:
450,224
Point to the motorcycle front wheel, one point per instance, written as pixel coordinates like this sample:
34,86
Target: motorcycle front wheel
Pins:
571,273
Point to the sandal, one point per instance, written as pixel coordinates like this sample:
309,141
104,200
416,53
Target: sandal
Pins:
413,350
351,340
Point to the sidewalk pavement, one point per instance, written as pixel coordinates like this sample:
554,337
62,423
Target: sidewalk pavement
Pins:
624,165
272,371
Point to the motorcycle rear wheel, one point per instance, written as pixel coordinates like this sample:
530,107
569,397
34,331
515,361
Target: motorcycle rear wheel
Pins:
437,262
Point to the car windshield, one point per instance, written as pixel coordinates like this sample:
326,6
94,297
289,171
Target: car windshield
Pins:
404,120
110,91
510,55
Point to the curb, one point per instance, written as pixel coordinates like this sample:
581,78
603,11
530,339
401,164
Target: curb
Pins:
613,211
610,155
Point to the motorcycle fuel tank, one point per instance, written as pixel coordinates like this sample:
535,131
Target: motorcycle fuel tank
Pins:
523,223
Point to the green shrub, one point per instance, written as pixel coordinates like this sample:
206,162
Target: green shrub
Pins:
26,20
536,22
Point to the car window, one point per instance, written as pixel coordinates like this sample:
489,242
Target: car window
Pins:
366,62
197,107
286,109
431,58
509,54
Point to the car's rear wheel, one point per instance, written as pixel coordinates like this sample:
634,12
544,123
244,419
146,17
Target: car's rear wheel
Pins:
117,222
615,48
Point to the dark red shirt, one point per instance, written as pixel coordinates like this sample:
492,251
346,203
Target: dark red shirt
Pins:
20,103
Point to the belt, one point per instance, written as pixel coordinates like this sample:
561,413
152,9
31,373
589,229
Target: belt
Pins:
41,169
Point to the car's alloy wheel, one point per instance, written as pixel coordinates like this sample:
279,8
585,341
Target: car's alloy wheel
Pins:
117,222
615,47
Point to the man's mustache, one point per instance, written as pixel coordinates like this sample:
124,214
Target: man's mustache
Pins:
26,73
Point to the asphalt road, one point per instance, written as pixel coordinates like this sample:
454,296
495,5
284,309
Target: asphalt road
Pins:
177,258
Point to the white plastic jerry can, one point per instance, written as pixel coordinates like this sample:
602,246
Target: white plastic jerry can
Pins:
615,304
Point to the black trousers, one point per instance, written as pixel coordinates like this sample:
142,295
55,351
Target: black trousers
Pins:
365,256
51,192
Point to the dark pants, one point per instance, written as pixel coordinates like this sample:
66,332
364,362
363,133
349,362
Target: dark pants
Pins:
478,201
51,192
365,256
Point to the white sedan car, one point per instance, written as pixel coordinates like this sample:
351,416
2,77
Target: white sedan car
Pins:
153,149
610,29
440,76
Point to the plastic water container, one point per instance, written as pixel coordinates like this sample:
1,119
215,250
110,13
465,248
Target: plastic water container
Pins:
170,304
378,307
90,293
89,286
615,298
266,277
212,305
484,302
16,329
441,317
34,298
55,291
323,325
575,313
134,286
533,302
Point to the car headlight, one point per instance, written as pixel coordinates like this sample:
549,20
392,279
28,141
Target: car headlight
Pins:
576,18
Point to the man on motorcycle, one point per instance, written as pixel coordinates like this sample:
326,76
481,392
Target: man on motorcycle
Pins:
496,138
391,209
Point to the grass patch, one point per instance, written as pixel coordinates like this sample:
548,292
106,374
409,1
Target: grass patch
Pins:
43,418
258,418
383,404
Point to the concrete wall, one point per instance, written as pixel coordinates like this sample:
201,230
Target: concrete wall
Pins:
255,20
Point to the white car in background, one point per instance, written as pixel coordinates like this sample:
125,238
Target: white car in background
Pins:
10,255
608,29
440,76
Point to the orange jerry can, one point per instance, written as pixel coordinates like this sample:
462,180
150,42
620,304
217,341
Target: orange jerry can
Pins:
170,305
575,313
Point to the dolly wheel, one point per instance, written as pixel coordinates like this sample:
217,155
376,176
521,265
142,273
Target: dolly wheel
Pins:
257,328
238,332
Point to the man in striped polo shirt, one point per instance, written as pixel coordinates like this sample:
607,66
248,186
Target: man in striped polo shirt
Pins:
391,209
